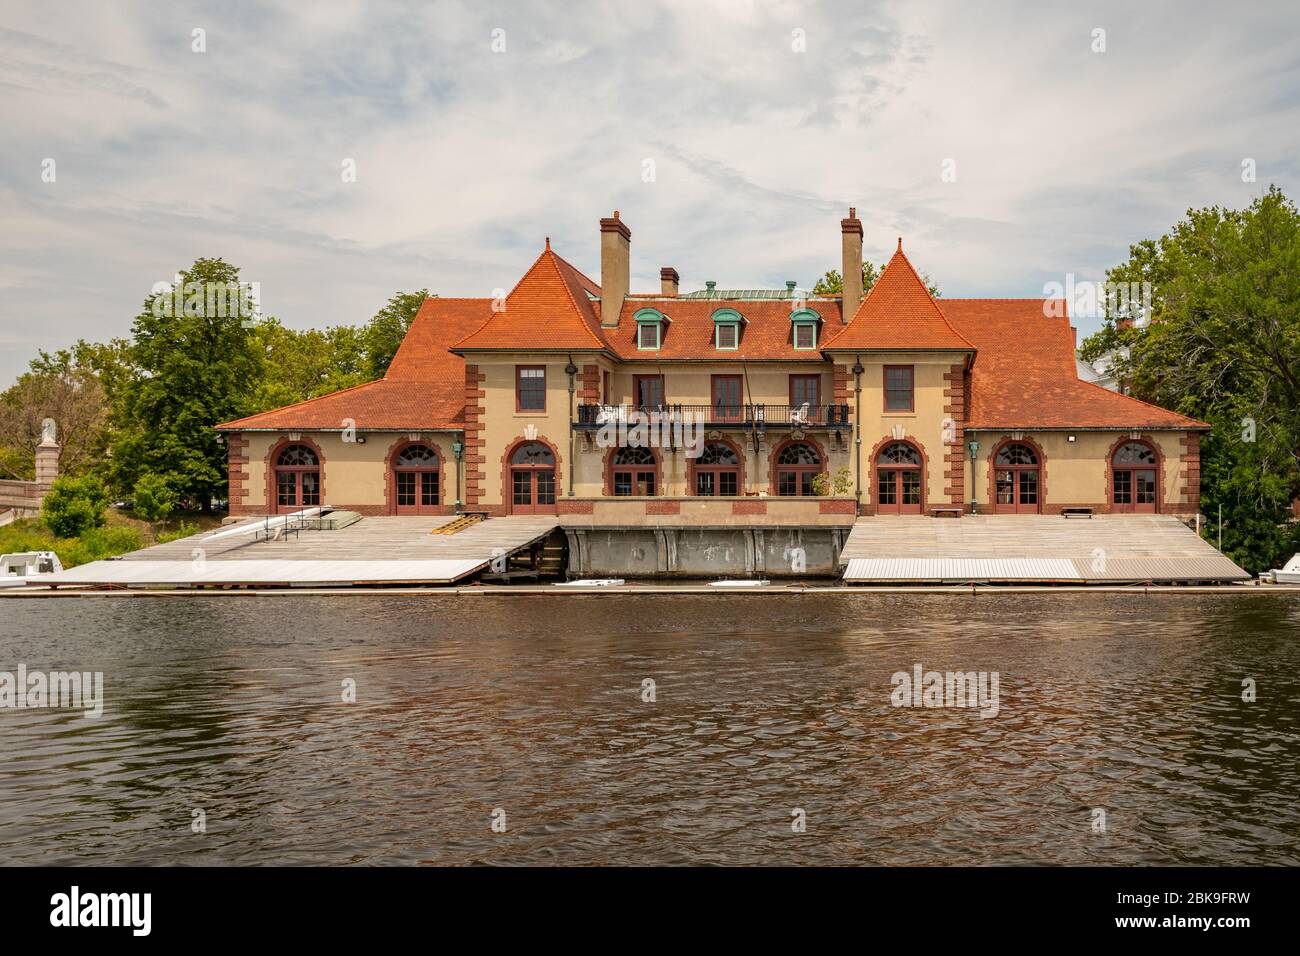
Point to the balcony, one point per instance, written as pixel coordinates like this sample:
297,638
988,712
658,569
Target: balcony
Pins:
718,415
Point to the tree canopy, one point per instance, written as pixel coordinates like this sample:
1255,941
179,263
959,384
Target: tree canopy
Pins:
1222,344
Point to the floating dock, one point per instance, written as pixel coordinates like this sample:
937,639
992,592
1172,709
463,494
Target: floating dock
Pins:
375,550
1032,549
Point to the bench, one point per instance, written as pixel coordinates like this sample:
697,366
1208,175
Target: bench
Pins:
1076,512
953,511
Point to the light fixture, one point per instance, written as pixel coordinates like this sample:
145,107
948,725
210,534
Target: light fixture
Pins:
1069,438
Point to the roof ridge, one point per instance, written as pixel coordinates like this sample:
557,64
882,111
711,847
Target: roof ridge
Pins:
916,275
556,261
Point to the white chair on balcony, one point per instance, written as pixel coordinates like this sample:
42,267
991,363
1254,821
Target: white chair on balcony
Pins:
799,416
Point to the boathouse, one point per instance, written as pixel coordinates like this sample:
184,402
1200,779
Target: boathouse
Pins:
672,431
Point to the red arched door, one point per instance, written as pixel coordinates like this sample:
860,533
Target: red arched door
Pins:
297,479
416,485
716,472
532,480
898,480
1016,486
1134,478
797,465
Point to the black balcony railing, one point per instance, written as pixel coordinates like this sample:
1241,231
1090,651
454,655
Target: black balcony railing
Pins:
744,415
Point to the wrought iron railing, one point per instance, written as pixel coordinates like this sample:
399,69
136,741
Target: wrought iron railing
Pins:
743,414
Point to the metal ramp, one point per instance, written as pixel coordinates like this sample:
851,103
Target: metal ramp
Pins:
1028,549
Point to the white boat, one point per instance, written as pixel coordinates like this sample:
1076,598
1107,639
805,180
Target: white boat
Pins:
27,567
1289,573
591,583
740,583
267,524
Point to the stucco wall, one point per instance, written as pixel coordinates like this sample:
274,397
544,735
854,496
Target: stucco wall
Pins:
1075,474
354,475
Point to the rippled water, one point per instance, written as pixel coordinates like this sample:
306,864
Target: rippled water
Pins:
232,706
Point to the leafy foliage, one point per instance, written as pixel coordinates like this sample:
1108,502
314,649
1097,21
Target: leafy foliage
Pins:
74,505
192,371
1223,345
154,498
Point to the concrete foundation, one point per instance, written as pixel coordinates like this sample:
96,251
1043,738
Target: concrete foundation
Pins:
684,552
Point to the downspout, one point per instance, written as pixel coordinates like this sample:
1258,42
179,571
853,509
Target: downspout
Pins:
571,370
753,425
857,432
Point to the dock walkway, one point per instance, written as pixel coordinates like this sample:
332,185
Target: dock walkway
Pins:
1108,549
374,550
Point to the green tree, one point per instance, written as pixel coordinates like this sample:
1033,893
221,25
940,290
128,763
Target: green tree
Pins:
154,499
74,506
832,283
298,365
1222,343
67,387
196,364
384,333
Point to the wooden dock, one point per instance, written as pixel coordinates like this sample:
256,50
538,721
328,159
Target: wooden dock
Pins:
1031,548
389,549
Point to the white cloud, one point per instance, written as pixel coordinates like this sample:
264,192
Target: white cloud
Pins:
467,158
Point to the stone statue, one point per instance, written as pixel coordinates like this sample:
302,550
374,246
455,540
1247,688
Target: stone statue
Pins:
49,432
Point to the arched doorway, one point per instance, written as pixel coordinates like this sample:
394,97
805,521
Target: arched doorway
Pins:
416,481
532,479
716,472
1017,485
297,479
1134,484
797,464
633,471
898,480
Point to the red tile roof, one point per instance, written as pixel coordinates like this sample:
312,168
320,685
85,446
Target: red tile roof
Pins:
549,309
766,334
423,390
1023,372
1023,375
898,314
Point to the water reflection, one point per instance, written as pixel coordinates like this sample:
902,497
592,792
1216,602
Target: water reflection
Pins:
763,704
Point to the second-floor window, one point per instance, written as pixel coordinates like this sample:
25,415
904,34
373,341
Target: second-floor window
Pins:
805,390
649,390
899,392
530,388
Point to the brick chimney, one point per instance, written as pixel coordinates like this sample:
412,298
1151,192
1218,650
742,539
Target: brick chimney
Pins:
615,268
851,231
669,280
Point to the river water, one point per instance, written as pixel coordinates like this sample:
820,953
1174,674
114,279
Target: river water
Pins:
225,715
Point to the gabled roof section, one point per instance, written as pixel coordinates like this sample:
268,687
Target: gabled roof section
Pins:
898,314
551,308
1024,374
423,390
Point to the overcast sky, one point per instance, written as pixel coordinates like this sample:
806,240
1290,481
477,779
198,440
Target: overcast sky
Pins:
764,122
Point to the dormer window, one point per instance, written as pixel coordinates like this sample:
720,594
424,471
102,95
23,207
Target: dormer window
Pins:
650,327
804,323
726,329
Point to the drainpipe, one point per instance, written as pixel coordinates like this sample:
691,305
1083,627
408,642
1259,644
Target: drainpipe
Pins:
974,447
857,432
458,449
571,370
